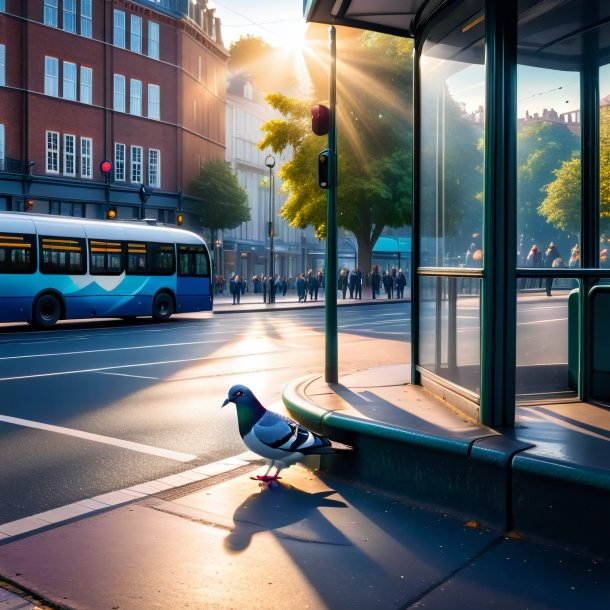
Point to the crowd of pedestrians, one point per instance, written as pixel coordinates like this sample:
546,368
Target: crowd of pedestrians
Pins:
390,282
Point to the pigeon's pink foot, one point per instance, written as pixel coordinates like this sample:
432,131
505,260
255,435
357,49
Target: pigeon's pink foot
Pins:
266,478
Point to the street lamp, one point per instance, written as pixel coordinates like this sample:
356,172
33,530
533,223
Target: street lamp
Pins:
270,163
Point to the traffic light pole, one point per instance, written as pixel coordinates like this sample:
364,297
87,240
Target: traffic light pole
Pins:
331,371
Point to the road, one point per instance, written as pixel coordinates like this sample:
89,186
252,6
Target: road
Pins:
88,408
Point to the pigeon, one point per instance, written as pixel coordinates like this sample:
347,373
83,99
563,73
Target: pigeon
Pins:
279,439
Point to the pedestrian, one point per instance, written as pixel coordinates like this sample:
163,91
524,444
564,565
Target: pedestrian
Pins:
550,256
301,288
401,282
264,288
313,286
352,283
284,286
342,281
574,257
235,288
375,281
358,286
394,274
388,284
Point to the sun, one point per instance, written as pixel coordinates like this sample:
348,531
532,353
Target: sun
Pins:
294,39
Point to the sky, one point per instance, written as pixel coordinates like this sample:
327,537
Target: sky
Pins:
278,22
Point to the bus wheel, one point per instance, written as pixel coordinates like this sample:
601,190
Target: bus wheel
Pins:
47,310
163,307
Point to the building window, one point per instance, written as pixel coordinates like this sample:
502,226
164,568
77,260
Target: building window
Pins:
119,162
69,155
86,148
135,41
119,93
70,15
52,152
153,40
2,65
119,29
154,102
135,97
86,18
50,13
69,80
51,76
154,168
86,85
136,164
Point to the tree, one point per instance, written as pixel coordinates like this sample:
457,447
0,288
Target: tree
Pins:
374,132
223,201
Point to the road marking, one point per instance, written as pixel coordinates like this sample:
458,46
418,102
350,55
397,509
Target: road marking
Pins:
127,375
98,438
120,497
541,321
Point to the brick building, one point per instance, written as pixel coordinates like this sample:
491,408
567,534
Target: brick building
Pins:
138,83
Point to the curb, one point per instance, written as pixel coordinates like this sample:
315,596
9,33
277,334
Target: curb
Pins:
495,479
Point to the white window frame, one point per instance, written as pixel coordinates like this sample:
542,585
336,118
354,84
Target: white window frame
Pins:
119,161
52,152
69,81
69,16
86,18
119,93
135,97
135,34
2,65
86,157
136,155
154,167
69,160
118,30
153,40
49,16
154,102
86,85
51,76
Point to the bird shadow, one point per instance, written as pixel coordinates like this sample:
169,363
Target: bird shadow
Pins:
288,513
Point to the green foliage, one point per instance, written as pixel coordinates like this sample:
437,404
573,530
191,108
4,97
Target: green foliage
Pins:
561,206
247,52
374,148
223,201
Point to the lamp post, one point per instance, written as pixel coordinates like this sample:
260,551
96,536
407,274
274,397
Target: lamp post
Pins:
270,163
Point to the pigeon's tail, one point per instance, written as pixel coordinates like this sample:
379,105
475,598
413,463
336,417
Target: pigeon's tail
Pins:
335,447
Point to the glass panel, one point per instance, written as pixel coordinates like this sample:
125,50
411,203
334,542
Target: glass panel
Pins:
604,166
450,329
548,167
452,73
547,342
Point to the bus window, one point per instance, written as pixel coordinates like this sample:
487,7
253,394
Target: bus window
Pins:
162,259
106,257
17,253
136,258
62,255
193,260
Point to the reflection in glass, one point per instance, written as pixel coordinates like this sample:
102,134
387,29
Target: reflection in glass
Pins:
548,168
547,349
452,129
604,167
450,327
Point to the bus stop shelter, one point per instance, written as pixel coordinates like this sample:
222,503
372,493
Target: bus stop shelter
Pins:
511,156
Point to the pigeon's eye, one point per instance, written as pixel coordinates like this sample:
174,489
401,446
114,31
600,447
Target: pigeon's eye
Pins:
238,394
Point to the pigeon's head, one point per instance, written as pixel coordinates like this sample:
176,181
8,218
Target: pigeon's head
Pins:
239,394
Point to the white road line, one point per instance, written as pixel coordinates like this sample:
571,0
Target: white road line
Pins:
110,349
98,438
541,321
120,497
127,375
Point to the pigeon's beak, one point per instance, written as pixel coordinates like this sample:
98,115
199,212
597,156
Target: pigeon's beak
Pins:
225,403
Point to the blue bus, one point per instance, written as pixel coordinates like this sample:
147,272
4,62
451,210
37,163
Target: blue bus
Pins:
56,267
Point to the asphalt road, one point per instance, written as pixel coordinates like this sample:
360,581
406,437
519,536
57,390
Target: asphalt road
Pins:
91,407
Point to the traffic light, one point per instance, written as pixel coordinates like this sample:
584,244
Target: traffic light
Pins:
320,119
324,169
106,166
111,214
179,218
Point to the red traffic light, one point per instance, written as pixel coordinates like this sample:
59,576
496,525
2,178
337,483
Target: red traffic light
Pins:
320,119
106,166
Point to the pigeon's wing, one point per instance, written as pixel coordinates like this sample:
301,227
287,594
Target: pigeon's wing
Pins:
280,432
